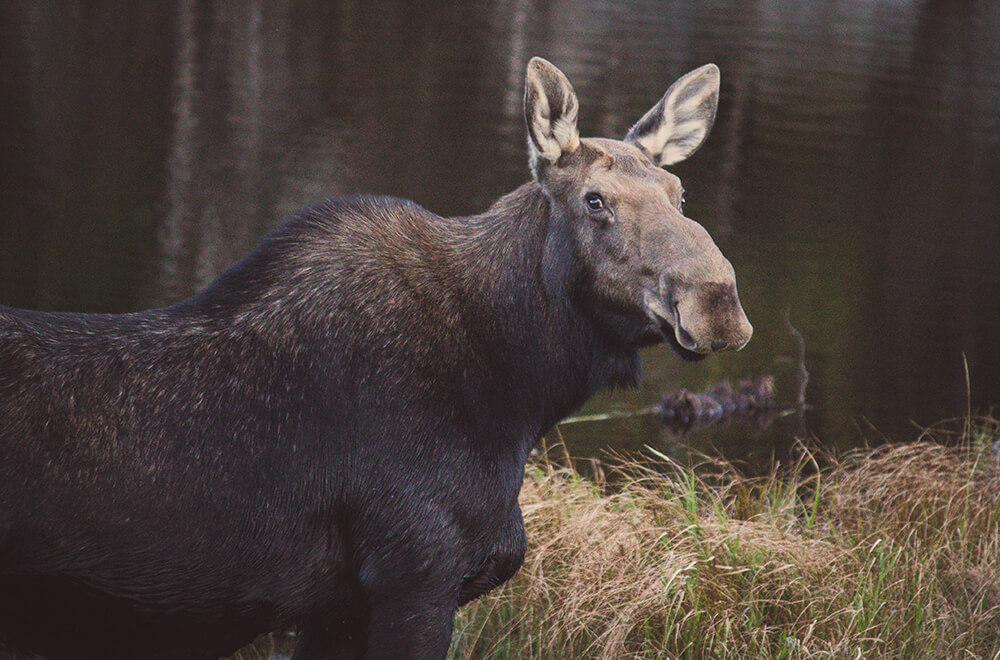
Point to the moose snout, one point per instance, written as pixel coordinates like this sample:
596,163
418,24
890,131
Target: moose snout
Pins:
733,340
710,319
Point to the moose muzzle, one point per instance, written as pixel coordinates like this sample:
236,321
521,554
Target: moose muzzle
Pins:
701,306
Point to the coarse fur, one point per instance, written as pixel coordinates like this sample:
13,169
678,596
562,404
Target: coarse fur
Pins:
332,434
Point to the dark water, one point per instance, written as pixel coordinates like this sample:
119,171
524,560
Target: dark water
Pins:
853,176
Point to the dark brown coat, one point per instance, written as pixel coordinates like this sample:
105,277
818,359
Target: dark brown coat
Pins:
332,435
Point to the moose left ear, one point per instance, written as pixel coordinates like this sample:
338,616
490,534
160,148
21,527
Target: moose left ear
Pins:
676,126
550,111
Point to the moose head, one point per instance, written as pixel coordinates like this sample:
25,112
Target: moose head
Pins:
647,264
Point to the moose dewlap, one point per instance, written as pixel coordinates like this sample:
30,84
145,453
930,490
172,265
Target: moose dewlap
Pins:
332,434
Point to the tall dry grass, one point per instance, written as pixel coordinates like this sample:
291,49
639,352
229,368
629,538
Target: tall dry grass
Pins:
885,553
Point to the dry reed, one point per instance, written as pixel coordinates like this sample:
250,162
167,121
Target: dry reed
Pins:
889,553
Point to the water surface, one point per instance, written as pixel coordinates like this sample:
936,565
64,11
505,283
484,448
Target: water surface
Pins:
853,176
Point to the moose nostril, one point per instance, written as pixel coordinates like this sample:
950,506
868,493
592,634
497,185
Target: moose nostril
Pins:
719,344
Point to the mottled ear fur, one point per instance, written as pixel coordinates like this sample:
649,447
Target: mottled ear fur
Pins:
550,110
676,126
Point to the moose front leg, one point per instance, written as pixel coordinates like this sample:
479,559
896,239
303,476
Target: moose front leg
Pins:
410,630
411,594
320,639
396,628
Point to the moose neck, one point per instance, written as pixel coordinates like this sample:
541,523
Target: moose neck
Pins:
521,264
493,305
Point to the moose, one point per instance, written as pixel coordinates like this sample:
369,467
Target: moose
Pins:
331,436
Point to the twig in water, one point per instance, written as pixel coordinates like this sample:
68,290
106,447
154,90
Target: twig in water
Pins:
616,414
800,401
803,373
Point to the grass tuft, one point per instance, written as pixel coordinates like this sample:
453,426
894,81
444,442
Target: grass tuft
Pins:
888,552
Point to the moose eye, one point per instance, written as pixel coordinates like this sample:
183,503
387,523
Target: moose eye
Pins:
594,201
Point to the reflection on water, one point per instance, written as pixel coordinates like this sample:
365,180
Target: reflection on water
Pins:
852,176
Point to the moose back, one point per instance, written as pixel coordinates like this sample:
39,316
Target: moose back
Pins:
332,435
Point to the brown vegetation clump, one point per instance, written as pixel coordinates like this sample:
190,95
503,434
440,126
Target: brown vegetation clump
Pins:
889,553
751,398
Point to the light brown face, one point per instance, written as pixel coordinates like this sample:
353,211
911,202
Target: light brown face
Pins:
646,259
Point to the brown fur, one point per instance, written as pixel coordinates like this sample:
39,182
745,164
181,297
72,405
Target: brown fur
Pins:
332,435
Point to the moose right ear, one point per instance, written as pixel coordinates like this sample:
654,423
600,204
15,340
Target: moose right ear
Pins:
676,126
550,111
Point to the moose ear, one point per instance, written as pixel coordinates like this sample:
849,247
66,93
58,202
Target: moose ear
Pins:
550,110
676,126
